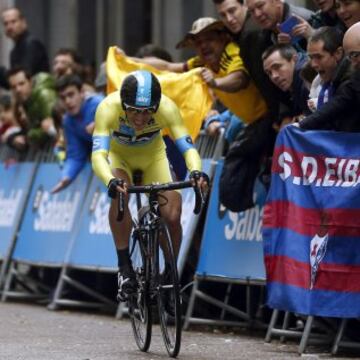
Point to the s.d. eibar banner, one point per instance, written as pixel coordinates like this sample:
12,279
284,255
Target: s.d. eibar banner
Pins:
311,224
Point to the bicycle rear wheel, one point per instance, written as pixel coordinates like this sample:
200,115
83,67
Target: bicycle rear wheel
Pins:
169,303
139,306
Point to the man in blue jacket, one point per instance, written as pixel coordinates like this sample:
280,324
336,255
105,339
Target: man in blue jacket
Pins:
78,126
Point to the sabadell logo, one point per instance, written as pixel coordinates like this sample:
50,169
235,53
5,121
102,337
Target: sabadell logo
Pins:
99,223
9,205
56,213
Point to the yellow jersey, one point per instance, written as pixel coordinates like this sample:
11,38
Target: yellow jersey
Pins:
248,104
116,143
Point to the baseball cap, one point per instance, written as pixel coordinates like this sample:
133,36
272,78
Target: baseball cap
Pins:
200,26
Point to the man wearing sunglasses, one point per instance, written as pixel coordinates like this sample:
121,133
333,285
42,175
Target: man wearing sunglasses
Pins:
341,112
127,137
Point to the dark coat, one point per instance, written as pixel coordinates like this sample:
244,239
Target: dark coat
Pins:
242,165
320,19
30,54
253,41
341,113
299,94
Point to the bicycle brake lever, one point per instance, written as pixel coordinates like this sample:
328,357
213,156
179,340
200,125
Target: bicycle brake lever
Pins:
198,200
121,210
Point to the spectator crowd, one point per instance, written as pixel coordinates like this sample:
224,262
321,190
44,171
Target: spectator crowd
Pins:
267,63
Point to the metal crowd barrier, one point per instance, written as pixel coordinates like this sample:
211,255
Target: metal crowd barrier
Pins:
231,254
19,167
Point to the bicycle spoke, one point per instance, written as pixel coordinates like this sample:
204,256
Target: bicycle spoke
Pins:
140,311
169,301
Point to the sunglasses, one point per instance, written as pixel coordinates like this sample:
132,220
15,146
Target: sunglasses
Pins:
352,55
136,110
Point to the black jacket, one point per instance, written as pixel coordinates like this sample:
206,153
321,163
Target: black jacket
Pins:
320,19
29,53
341,113
253,41
299,94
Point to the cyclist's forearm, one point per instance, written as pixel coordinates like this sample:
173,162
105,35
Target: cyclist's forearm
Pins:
100,151
193,160
187,149
101,167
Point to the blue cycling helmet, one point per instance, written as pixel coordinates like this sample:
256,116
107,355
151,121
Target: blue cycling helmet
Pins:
141,89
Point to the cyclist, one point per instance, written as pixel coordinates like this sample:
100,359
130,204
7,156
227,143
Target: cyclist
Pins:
127,137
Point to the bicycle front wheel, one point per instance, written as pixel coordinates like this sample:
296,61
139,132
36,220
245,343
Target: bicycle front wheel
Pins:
169,302
139,305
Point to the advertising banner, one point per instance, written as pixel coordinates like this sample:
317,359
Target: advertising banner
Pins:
15,181
232,243
93,245
311,224
50,219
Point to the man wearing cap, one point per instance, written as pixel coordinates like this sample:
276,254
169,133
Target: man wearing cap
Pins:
221,68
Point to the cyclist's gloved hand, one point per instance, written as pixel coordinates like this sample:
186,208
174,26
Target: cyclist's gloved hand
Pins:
196,175
112,185
200,181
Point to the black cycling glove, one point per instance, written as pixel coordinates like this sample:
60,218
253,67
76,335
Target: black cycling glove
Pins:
113,183
196,175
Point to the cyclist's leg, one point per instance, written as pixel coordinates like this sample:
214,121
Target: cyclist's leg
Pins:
121,233
171,213
120,230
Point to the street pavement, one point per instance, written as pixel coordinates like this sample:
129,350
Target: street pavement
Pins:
31,332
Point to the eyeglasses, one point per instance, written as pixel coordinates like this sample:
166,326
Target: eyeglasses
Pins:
352,55
136,110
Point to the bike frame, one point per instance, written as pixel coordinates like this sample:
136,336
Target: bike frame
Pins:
147,228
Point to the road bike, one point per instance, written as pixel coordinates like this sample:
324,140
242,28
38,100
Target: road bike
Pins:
157,284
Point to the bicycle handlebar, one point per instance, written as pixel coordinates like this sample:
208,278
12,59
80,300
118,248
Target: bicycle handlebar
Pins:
132,189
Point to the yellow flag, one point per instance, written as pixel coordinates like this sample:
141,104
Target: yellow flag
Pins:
186,89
